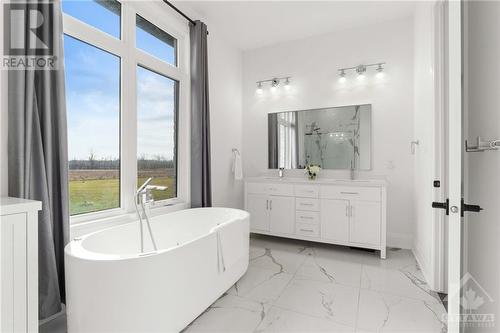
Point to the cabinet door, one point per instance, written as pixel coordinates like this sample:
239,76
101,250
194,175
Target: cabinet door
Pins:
282,214
13,278
335,219
365,222
257,206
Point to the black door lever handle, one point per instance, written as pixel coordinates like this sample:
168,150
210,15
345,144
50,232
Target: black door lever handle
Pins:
470,208
442,205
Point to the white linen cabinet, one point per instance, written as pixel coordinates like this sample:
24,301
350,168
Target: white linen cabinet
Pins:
351,213
19,265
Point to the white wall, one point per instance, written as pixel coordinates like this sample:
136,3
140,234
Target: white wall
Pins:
482,180
225,66
225,73
313,64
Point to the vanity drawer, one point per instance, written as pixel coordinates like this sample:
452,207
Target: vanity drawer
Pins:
304,229
280,189
351,192
307,191
270,188
307,204
256,188
307,217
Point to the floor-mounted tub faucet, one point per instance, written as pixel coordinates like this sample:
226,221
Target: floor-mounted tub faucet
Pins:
144,195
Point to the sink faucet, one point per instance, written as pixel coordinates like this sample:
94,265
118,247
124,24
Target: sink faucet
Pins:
353,175
144,195
281,172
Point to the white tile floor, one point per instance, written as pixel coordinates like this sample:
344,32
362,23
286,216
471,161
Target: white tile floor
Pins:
294,286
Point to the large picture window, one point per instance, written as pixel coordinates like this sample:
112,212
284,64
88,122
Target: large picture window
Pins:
156,131
124,79
93,108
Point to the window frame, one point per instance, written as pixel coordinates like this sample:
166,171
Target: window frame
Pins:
131,57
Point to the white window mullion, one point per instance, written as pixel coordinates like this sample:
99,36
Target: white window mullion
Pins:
91,35
129,111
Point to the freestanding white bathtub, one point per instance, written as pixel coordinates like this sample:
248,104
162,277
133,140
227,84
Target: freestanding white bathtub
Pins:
111,287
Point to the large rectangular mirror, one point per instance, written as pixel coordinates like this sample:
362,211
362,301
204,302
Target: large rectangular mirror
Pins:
333,138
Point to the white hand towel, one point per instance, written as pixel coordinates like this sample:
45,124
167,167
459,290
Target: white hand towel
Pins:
237,166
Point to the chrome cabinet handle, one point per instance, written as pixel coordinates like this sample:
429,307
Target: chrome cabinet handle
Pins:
305,204
307,230
306,217
349,192
267,204
270,204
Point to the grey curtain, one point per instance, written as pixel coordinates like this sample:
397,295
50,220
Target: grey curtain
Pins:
272,125
201,187
38,158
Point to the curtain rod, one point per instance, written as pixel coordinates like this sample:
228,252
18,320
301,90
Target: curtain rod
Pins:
180,12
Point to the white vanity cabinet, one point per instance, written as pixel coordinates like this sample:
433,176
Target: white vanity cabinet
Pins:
337,212
272,207
19,265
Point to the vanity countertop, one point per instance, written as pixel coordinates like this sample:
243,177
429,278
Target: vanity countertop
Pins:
319,181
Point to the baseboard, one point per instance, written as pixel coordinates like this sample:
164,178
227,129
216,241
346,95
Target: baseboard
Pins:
424,268
400,240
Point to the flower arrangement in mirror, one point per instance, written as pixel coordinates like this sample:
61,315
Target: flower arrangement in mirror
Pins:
312,171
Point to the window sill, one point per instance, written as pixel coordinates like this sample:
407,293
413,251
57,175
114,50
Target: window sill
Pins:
82,225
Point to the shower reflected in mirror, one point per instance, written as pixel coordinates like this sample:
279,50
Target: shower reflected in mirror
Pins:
333,138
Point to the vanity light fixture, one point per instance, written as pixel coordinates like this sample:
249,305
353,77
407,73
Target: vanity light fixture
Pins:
361,71
274,82
342,78
287,83
380,71
259,87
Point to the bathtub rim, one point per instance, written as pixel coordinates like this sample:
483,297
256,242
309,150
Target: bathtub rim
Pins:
75,249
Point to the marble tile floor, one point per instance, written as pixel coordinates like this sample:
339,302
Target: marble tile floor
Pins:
296,286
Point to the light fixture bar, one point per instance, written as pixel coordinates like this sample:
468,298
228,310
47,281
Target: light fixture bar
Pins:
378,64
275,82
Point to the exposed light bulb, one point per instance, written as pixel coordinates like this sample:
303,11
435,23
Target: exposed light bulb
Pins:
380,71
361,69
274,84
342,78
287,83
259,88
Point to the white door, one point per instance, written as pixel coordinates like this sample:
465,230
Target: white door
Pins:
282,212
335,219
365,222
258,207
482,169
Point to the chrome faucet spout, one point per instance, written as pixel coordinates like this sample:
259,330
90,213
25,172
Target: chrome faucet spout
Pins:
281,172
144,196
